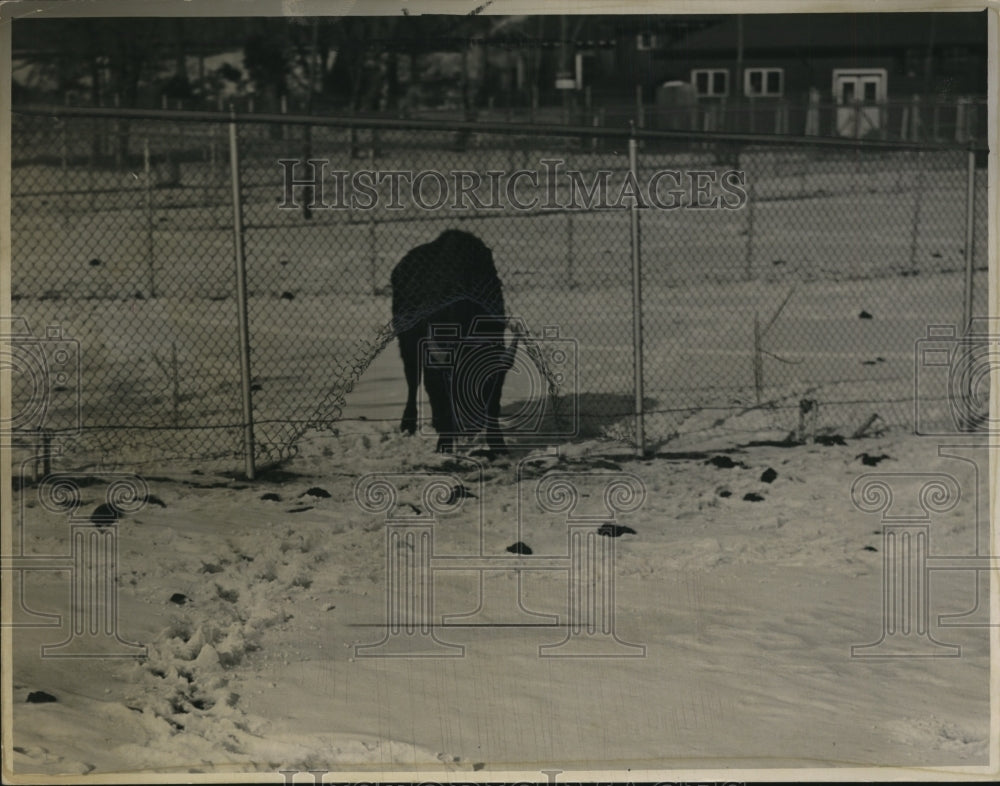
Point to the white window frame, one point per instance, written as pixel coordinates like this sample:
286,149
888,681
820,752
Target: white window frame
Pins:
644,42
764,93
711,72
882,87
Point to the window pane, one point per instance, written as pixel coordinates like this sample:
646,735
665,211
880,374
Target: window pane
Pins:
756,83
774,82
869,91
847,92
701,82
719,83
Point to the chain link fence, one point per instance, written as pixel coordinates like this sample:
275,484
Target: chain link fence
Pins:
780,280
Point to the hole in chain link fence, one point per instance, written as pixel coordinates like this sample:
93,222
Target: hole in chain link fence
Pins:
123,235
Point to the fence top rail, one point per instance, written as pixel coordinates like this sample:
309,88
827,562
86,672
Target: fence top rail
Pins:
525,129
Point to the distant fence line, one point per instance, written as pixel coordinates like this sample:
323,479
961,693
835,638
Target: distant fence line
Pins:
917,118
748,310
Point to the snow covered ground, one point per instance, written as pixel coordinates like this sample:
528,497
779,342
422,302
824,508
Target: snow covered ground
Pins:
749,577
252,599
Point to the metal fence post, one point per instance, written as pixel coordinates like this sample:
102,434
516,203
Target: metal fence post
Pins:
241,299
970,238
150,223
633,162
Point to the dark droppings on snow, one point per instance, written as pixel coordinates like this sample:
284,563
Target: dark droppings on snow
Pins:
774,443
303,509
180,598
724,462
271,496
768,475
104,514
40,697
610,530
316,491
752,497
519,548
830,439
872,461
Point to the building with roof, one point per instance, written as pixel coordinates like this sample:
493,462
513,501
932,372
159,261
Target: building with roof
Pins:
872,74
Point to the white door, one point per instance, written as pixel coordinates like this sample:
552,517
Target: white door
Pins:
859,95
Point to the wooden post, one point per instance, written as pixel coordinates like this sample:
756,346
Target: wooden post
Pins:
970,243
916,131
960,116
372,229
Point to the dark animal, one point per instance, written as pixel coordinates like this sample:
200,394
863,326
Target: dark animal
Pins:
448,314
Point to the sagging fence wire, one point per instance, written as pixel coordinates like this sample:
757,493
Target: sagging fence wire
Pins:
123,233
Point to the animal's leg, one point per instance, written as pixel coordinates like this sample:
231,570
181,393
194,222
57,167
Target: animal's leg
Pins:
445,444
409,348
438,385
494,437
